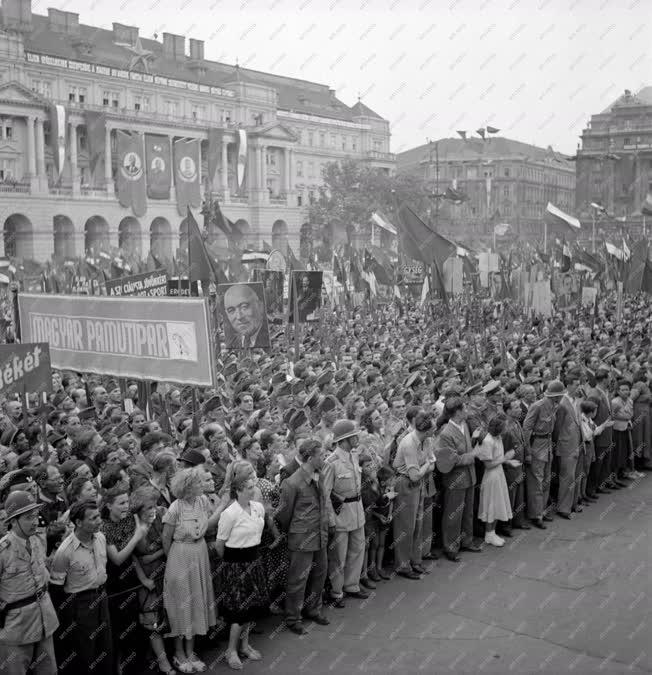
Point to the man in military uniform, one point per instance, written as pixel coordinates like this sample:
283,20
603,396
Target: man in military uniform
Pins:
342,484
537,431
27,616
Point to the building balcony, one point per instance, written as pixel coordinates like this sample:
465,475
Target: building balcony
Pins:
15,187
380,156
278,200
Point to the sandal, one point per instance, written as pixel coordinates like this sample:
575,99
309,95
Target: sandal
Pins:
234,661
165,667
182,665
251,653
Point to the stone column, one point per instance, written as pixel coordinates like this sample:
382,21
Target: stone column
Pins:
263,174
31,155
173,189
225,167
108,171
286,180
74,168
40,156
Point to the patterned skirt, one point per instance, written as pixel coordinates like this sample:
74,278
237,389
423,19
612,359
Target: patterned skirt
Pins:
243,595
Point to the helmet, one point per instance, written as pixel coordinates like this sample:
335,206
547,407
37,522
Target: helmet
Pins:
555,389
344,429
19,503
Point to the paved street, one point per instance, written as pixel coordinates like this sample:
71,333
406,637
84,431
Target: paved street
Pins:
575,598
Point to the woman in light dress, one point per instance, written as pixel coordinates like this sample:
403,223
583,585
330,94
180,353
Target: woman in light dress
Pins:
494,494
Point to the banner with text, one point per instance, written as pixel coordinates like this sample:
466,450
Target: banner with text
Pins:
148,284
187,289
25,368
167,341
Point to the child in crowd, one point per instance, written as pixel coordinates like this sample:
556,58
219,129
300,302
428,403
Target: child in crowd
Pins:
382,513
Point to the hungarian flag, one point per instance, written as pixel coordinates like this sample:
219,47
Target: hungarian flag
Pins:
637,268
186,174
201,265
58,125
159,173
420,242
221,221
131,172
556,218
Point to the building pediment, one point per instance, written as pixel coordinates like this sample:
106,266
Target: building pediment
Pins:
275,131
7,150
15,93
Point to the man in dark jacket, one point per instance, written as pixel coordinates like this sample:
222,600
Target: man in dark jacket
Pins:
302,513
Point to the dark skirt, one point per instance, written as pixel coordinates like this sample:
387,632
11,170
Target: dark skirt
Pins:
622,449
152,616
243,595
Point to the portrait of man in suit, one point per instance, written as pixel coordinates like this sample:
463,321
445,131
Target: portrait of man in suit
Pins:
308,287
245,319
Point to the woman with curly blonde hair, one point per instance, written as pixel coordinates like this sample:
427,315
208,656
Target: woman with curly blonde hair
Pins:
188,587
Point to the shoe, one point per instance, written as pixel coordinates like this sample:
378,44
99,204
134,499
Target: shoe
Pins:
251,653
197,664
319,619
471,548
431,556
548,518
361,595
639,474
504,533
335,602
383,575
493,539
578,509
538,522
408,574
612,486
565,516
368,583
164,666
619,483
521,526
453,557
183,665
420,569
373,575
297,628
233,660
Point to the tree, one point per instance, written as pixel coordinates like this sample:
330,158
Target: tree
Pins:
351,192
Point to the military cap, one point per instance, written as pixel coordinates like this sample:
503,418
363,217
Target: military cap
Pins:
19,503
341,375
283,389
491,387
324,378
230,369
344,391
327,404
344,429
415,380
473,389
313,399
59,398
121,430
193,457
298,419
297,386
212,403
86,414
288,415
54,437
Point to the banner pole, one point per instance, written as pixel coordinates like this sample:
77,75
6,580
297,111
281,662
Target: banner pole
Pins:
15,313
44,423
295,308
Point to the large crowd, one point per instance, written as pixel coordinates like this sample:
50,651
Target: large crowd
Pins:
141,532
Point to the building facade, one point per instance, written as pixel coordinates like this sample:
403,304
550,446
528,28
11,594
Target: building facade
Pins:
506,181
63,203
614,161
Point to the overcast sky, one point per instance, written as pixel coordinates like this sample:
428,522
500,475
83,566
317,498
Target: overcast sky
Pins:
536,69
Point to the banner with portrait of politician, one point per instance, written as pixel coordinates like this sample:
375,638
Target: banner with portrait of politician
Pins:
272,281
308,286
244,316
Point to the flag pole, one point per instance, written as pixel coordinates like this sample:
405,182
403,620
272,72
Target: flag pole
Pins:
545,236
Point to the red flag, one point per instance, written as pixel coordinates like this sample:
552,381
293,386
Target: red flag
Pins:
131,173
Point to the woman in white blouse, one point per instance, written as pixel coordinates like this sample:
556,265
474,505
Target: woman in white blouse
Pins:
243,596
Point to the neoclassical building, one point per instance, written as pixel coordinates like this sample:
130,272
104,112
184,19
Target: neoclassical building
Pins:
70,92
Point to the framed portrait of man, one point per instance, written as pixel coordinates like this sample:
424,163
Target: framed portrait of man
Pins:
244,316
272,281
308,286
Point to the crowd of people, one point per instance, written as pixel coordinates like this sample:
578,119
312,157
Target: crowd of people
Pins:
141,532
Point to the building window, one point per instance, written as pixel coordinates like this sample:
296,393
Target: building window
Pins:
299,200
110,98
506,173
7,169
46,133
322,140
311,197
311,169
378,146
225,115
343,142
198,112
311,138
42,87
9,132
333,141
354,145
505,191
172,108
270,157
299,169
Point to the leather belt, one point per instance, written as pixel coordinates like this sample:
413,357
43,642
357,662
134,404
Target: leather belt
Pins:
541,435
350,500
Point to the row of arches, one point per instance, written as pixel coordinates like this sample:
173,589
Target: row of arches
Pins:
19,234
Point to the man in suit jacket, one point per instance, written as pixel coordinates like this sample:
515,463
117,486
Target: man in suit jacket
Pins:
568,443
303,514
245,312
456,463
600,478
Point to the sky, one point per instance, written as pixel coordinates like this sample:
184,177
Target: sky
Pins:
535,69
